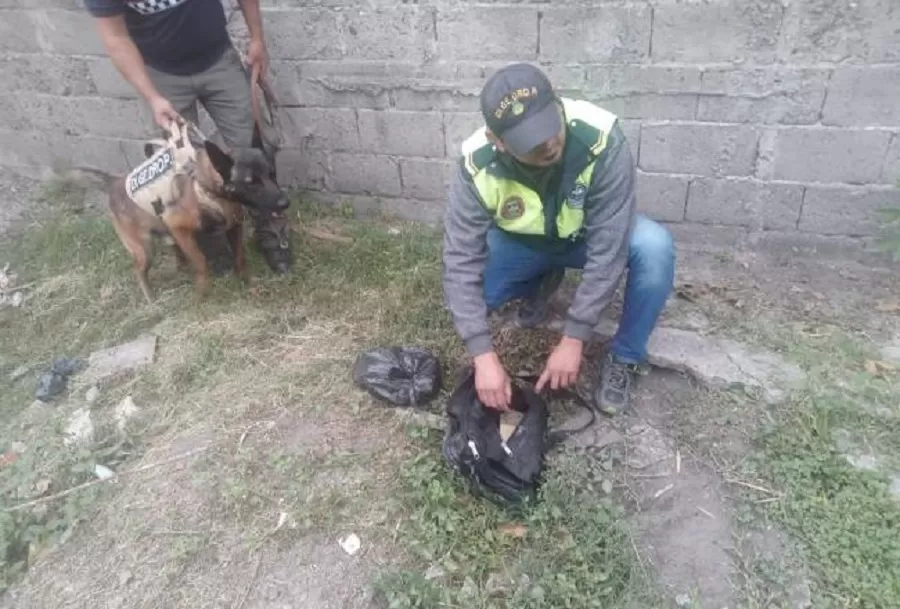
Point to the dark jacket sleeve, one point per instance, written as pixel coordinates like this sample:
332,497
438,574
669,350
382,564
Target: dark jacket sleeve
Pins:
610,214
466,223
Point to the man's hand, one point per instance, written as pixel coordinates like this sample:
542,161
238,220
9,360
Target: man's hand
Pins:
163,113
258,56
562,366
491,382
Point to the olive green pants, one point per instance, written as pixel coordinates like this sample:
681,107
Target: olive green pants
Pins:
224,91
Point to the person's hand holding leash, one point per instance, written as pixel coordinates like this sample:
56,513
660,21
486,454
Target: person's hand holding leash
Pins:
163,112
562,367
258,57
491,382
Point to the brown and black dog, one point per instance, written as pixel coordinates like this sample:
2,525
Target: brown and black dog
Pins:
182,189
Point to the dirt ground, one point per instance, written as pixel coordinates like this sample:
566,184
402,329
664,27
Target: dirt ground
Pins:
275,457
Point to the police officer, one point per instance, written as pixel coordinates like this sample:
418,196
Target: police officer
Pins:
178,52
549,184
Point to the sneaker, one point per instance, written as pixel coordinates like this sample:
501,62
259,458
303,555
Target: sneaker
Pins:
534,311
613,396
273,239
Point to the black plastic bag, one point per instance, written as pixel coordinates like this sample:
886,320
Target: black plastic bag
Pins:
507,473
403,376
53,381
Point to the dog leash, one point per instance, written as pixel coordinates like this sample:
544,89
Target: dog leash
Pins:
557,436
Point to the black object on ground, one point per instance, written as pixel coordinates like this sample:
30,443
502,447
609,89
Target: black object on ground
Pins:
507,473
402,376
52,382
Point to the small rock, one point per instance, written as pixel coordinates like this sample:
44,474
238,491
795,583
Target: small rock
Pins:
890,352
17,299
18,373
122,358
895,487
497,584
103,472
683,601
19,447
125,578
92,394
351,544
435,572
125,411
81,428
801,595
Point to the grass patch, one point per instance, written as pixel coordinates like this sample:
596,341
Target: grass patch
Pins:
571,549
845,520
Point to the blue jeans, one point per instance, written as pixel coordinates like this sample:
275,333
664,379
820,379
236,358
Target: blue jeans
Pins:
514,270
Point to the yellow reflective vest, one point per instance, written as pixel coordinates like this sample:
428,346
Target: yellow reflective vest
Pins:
520,210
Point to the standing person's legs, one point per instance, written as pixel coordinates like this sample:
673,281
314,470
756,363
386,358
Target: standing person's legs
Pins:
179,90
224,90
651,274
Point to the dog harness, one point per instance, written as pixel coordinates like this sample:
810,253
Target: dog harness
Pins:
153,186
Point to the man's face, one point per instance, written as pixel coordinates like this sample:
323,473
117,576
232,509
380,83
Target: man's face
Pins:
547,154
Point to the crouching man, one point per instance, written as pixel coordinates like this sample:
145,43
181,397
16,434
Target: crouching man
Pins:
177,53
549,184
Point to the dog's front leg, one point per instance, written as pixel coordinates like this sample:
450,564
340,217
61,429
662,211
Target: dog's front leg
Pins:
185,240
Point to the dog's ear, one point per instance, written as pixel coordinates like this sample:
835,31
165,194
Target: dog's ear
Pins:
220,161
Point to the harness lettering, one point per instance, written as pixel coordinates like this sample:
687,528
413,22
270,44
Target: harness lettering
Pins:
150,171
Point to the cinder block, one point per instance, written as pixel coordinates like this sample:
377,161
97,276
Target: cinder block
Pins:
632,131
830,155
732,30
19,33
95,116
617,34
844,211
708,150
425,179
427,97
331,84
458,126
402,133
662,197
59,151
51,74
890,174
321,128
650,105
367,174
108,81
865,96
488,33
750,203
397,32
307,169
841,31
765,95
68,32
615,81
308,33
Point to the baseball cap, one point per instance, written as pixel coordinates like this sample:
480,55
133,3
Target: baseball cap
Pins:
517,103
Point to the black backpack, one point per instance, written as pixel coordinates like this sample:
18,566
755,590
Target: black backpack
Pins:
506,473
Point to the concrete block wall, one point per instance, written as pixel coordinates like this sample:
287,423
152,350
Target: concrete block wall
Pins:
751,116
